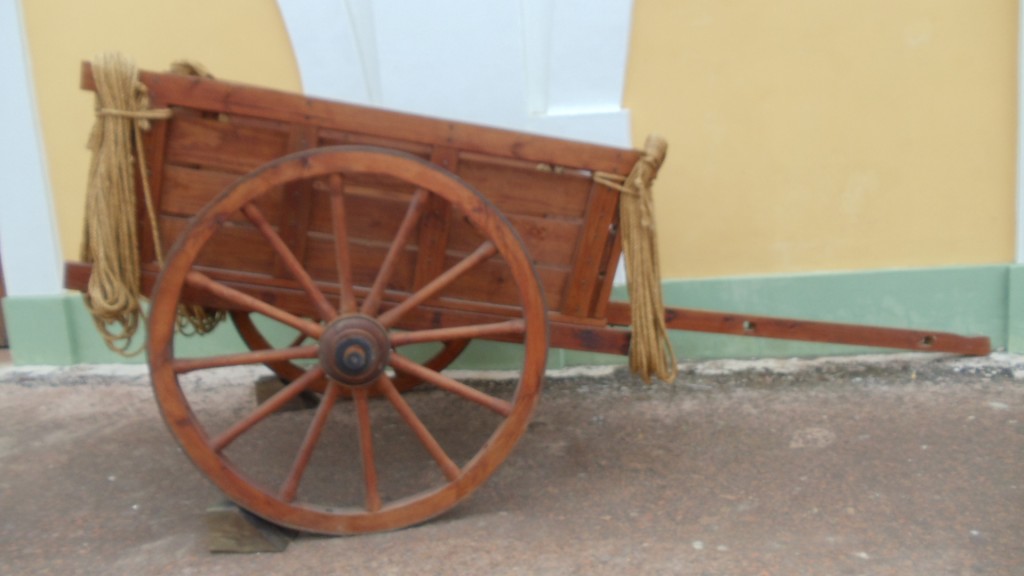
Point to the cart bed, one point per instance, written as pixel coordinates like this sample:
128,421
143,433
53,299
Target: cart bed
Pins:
544,186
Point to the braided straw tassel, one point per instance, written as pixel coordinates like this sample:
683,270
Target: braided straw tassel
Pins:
650,351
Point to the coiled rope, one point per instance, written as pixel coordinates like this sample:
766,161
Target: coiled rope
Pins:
110,239
650,351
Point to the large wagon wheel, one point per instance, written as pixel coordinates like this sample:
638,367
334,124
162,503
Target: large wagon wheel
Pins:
288,370
353,346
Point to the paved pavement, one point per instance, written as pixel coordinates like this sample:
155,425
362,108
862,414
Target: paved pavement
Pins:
903,465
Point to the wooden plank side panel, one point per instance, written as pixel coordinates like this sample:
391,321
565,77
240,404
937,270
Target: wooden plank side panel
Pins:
370,219
491,282
549,242
378,185
528,192
365,259
189,190
293,219
240,128
339,138
224,97
229,146
374,213
233,247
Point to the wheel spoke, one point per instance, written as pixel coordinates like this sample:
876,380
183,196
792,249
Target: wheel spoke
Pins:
448,467
450,351
182,366
299,339
271,405
295,268
403,364
343,261
483,252
239,298
316,427
371,305
459,332
286,370
359,395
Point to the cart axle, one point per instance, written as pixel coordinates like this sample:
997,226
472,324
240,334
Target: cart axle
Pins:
354,350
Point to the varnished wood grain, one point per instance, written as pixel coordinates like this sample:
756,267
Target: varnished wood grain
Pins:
186,278
810,331
583,284
229,98
220,131
223,145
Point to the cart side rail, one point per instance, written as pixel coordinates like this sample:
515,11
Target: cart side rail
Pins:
230,98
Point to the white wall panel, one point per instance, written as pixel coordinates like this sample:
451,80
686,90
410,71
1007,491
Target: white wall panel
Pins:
587,60
28,233
554,67
334,44
453,58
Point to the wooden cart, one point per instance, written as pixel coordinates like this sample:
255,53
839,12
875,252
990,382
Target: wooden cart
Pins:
368,231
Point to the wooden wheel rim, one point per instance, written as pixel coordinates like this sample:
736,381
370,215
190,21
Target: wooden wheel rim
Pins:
177,411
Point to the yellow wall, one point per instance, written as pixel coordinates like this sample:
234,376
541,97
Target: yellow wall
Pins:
805,135
827,134
243,40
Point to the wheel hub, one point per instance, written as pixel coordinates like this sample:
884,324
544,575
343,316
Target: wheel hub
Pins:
354,350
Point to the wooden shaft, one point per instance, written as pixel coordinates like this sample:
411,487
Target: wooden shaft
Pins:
810,331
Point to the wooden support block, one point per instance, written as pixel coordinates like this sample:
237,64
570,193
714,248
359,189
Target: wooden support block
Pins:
269,385
231,529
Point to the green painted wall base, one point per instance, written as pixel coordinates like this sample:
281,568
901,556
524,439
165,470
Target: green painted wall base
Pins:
976,300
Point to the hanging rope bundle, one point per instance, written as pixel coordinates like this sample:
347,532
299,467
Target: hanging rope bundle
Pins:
110,241
650,352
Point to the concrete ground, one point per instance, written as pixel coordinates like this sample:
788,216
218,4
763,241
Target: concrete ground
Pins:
902,465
